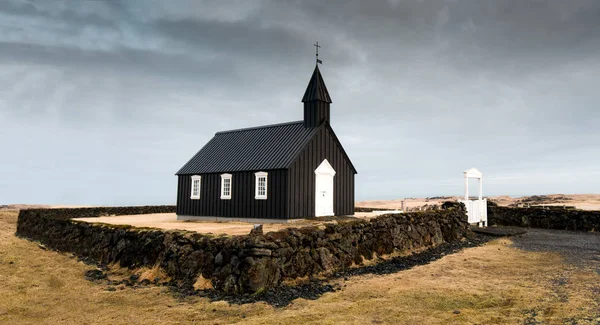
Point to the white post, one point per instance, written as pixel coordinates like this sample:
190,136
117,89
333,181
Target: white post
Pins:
481,189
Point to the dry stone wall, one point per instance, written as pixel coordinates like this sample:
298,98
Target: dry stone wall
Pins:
365,209
251,263
562,219
69,213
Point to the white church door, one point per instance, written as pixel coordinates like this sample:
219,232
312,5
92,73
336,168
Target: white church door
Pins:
324,189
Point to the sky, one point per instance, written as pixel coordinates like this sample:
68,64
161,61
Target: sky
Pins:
101,102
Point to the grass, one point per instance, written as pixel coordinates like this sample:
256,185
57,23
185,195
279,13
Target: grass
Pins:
492,284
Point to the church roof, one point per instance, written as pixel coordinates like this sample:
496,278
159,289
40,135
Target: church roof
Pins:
316,89
260,148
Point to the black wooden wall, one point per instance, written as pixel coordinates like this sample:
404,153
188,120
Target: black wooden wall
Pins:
242,203
301,185
315,112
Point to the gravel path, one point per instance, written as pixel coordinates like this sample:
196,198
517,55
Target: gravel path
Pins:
581,249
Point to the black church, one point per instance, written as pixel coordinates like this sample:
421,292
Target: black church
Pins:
271,173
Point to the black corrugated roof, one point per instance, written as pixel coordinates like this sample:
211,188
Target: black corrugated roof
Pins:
316,89
259,148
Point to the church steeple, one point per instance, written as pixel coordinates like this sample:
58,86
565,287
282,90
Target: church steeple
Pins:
316,101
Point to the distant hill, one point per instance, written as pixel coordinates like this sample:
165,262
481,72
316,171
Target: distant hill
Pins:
581,201
38,206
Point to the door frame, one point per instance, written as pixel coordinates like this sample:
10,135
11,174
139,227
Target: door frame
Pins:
324,171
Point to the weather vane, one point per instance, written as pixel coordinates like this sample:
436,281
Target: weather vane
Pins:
318,46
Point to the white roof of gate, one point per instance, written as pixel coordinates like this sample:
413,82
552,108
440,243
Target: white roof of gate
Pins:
473,173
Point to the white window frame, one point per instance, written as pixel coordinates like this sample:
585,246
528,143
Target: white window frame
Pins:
194,179
257,177
225,177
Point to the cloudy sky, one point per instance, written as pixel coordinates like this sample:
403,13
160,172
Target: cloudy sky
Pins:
101,102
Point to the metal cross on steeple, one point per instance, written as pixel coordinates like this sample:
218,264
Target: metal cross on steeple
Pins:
318,46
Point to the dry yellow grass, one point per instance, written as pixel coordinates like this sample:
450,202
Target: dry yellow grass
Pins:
581,201
492,284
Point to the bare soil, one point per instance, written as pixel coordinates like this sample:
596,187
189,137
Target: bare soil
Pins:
580,201
169,221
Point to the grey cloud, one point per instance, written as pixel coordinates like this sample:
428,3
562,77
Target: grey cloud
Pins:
235,39
136,61
39,9
422,89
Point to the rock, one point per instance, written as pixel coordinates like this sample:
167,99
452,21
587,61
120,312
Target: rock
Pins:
230,285
260,242
145,282
335,236
234,261
111,289
134,277
453,205
456,312
191,265
219,259
327,261
94,275
260,274
259,252
257,230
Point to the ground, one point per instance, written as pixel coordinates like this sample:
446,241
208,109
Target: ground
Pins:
503,282
581,201
169,221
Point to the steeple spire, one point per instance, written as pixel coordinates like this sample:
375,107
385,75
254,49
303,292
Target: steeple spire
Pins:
316,100
316,89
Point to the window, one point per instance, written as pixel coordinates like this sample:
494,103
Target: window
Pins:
260,192
196,185
226,187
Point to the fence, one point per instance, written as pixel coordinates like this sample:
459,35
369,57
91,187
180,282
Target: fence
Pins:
477,211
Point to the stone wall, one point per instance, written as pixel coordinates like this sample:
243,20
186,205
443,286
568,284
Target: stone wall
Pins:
364,209
251,263
69,213
562,219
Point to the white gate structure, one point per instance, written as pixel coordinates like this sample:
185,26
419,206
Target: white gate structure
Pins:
476,209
